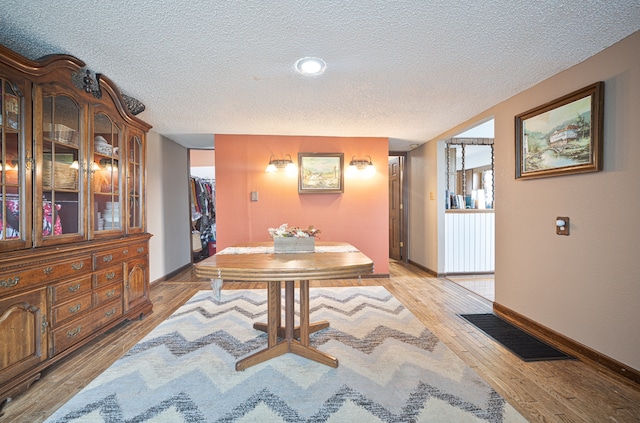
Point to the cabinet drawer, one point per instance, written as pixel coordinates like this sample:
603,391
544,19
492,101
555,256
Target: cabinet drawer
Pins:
73,332
137,250
47,273
108,276
107,293
65,290
108,258
76,307
67,269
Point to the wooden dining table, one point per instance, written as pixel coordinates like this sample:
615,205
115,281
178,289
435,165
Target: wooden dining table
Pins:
256,262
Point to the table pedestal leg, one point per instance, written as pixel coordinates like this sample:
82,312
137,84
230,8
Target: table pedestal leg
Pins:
302,348
274,328
313,327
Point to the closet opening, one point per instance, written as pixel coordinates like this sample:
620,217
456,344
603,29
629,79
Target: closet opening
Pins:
202,183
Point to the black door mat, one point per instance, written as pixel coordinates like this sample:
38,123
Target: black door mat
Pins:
525,346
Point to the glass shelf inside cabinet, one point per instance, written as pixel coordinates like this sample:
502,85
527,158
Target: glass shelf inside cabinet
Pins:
106,171
106,183
10,163
60,189
60,167
134,182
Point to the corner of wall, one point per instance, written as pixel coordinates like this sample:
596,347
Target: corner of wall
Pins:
167,206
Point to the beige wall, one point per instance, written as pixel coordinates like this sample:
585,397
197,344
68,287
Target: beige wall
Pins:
585,286
167,206
426,210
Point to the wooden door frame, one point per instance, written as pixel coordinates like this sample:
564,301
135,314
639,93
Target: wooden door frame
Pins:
404,216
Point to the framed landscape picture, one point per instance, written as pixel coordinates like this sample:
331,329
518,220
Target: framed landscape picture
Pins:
320,173
563,136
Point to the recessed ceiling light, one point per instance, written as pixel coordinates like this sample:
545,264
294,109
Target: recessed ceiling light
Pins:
310,66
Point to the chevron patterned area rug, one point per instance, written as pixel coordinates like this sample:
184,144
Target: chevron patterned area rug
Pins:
391,369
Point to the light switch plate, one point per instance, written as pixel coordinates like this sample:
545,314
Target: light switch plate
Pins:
254,195
562,230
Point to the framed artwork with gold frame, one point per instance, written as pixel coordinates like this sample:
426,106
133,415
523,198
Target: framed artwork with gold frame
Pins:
563,136
321,173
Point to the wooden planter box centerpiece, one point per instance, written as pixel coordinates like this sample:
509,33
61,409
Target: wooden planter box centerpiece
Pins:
293,240
291,244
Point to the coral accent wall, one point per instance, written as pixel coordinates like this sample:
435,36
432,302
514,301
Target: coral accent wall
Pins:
358,216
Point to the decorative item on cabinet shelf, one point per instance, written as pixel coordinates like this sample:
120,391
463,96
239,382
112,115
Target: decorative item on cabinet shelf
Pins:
105,182
64,175
109,218
12,109
61,133
12,224
102,146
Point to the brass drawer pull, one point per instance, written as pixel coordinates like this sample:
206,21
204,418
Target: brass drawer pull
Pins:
77,266
110,275
107,259
10,282
110,312
48,270
44,324
75,332
110,293
75,309
74,288
125,251
140,250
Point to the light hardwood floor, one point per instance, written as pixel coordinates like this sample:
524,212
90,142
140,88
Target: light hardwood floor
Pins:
552,391
483,285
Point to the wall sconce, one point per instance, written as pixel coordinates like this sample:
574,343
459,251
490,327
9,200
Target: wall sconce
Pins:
95,166
75,165
285,163
365,165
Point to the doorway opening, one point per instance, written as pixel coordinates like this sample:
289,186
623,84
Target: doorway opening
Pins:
469,210
397,209
202,205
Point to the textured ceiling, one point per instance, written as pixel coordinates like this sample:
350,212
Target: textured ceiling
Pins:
407,70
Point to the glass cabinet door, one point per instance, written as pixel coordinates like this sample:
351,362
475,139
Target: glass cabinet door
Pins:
61,162
15,227
135,182
106,173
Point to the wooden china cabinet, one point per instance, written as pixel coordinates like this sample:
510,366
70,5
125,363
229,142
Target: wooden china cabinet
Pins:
73,242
